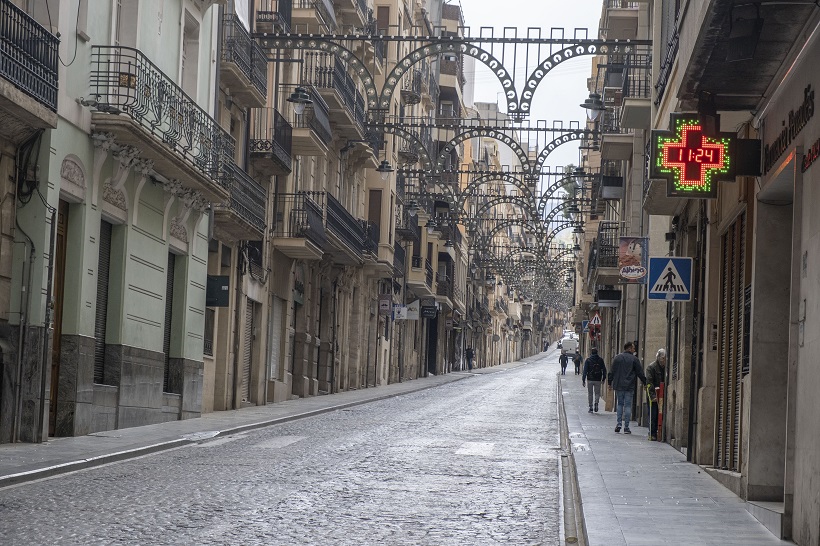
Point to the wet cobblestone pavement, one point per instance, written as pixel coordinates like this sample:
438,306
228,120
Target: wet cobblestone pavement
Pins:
473,462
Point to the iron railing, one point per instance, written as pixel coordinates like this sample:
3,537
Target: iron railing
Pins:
277,13
443,286
411,87
666,65
399,258
371,237
607,244
315,117
428,273
272,134
248,197
28,55
299,216
340,222
324,9
238,48
326,71
124,81
416,262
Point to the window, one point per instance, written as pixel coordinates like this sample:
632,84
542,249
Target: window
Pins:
101,317
190,56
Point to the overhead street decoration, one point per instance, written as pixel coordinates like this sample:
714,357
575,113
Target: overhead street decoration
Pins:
670,279
691,158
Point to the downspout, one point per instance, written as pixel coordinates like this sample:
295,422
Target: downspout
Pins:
47,321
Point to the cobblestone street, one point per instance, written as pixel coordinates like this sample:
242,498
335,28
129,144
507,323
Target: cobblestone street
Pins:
471,462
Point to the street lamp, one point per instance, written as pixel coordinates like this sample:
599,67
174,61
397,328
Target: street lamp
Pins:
594,106
300,99
384,169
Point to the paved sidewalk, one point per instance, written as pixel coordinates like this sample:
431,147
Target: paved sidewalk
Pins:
637,492
21,463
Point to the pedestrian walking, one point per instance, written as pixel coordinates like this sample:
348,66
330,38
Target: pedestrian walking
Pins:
655,375
564,360
626,370
469,354
593,378
576,359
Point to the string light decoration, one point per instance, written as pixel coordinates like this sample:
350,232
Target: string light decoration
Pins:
691,160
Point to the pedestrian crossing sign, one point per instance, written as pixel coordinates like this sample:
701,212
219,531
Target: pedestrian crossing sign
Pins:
670,279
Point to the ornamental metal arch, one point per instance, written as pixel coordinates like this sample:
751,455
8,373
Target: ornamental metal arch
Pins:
500,176
329,45
548,193
570,136
549,218
489,133
413,138
481,240
445,45
501,199
559,228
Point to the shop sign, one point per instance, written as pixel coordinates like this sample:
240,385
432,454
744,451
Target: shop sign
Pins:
385,304
811,156
795,122
632,255
428,308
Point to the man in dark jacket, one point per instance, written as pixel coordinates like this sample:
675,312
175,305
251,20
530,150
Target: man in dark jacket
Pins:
626,368
577,359
655,375
564,360
593,377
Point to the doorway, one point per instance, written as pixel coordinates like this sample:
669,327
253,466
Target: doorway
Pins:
59,290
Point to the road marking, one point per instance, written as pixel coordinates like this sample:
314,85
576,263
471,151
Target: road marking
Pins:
279,442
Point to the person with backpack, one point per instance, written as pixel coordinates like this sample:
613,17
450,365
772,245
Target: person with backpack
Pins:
593,378
577,359
564,360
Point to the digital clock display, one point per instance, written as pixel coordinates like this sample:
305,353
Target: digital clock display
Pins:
689,159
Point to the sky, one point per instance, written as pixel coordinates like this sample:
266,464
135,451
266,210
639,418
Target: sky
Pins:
563,90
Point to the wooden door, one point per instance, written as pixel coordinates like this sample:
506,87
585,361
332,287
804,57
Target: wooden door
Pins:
59,289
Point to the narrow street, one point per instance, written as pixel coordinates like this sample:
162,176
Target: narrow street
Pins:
471,462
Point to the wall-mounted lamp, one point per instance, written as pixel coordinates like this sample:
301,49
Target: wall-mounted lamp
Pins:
300,99
594,106
384,168
412,208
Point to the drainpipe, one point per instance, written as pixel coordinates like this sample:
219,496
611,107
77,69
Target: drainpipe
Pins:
47,320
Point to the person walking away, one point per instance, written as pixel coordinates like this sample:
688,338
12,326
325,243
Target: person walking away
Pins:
655,375
626,370
576,359
564,360
593,377
469,354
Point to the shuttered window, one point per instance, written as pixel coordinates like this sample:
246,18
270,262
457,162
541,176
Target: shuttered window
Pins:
103,267
733,294
276,337
247,341
169,308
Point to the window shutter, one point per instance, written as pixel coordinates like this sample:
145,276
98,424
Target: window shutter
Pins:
103,268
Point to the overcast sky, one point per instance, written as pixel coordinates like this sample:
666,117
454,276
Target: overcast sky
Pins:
564,88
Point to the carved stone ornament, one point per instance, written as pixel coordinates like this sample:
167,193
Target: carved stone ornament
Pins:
71,171
103,140
193,199
115,197
178,230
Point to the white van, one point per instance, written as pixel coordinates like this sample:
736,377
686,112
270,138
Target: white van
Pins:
569,345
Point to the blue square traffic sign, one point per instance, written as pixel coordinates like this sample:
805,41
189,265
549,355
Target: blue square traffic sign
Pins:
670,279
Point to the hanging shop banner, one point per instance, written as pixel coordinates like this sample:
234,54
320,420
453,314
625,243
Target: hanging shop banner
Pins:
413,310
385,304
632,258
428,308
691,158
399,312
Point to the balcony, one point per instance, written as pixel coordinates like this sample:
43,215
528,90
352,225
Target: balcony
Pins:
420,277
354,13
274,16
616,141
411,87
346,237
271,142
346,105
444,290
244,64
451,77
636,91
299,231
144,108
603,263
399,260
28,74
313,17
311,134
408,229
370,243
621,19
243,217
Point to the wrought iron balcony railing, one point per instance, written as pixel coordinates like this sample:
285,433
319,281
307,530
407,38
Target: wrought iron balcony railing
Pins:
272,134
238,48
443,286
28,55
399,258
325,11
326,71
371,237
416,262
248,197
666,64
124,81
316,118
607,244
299,216
411,87
428,270
274,15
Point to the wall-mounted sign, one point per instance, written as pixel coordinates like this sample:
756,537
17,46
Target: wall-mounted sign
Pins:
428,308
795,122
632,255
399,311
413,310
217,291
811,156
385,304
690,159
